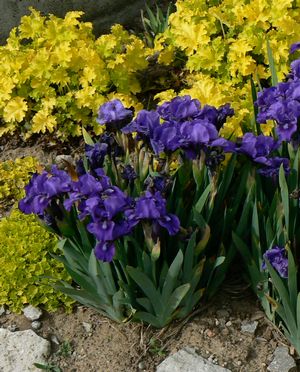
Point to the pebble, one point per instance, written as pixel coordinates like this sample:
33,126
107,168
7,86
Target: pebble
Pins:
63,160
32,313
239,363
141,365
229,324
54,339
2,310
225,332
217,322
209,333
249,327
87,327
12,327
36,325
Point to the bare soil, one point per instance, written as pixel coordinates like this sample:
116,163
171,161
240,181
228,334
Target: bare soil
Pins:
213,330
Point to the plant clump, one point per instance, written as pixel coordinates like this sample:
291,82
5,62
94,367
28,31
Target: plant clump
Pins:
26,265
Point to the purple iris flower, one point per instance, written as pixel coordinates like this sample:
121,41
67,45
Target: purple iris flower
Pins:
224,112
277,258
43,188
271,167
112,112
294,47
198,132
96,154
165,138
179,109
144,124
153,207
258,147
128,173
115,201
295,67
105,251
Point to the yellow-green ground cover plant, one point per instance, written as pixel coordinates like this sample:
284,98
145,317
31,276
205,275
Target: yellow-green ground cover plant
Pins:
27,265
14,175
26,247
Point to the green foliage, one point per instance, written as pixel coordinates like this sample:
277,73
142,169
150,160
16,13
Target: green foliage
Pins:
47,367
155,24
274,221
65,349
159,281
25,261
14,175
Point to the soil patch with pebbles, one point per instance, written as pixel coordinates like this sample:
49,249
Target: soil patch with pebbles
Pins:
86,341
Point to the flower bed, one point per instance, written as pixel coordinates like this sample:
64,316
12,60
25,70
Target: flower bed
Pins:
164,200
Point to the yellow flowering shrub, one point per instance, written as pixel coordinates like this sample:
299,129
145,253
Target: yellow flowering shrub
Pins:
225,43
54,74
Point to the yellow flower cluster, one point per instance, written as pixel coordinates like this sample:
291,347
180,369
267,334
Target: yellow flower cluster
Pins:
225,43
54,74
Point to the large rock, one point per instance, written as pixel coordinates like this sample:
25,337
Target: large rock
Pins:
186,360
282,361
103,13
20,350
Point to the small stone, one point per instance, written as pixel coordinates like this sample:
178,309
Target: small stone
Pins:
32,313
217,322
239,363
209,333
225,332
54,340
249,327
282,361
2,310
228,324
12,327
188,360
142,365
260,339
63,160
87,327
36,325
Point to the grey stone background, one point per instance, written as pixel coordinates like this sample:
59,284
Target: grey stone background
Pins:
102,13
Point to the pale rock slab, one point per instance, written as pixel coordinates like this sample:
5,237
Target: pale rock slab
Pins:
282,361
187,360
20,350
